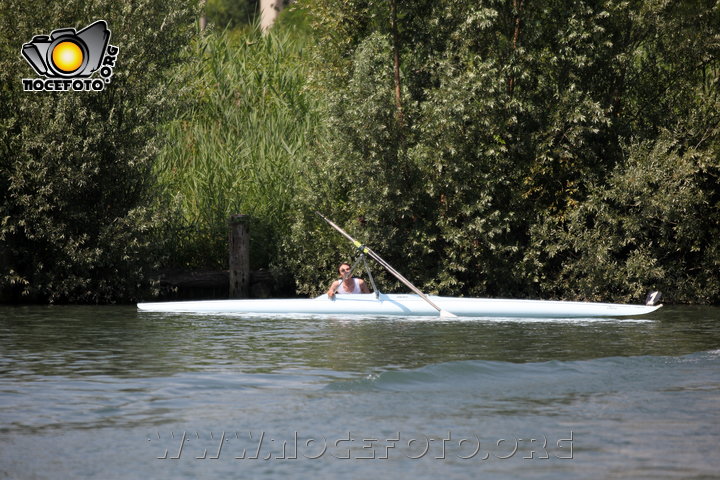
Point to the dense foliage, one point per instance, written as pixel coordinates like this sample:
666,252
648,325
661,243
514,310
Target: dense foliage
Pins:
555,149
561,149
231,13
236,143
75,190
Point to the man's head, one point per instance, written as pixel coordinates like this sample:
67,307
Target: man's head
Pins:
344,270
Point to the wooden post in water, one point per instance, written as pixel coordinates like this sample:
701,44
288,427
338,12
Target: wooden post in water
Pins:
239,256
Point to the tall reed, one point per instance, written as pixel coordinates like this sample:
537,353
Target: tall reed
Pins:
239,145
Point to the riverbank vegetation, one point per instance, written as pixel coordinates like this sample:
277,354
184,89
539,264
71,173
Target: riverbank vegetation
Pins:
238,142
494,148
562,150
77,203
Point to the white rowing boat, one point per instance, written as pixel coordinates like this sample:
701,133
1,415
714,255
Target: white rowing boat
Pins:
405,305
417,304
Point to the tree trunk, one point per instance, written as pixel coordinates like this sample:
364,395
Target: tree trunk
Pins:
517,9
203,18
269,10
396,61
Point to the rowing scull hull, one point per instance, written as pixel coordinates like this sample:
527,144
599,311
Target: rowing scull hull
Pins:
404,305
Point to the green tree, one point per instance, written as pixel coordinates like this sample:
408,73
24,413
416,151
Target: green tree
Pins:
655,224
516,116
75,183
361,173
651,219
447,189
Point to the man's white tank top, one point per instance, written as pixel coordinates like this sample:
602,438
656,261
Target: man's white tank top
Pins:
356,287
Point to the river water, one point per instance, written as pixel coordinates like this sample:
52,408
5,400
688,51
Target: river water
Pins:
112,393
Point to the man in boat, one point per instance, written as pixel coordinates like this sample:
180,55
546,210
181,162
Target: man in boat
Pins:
346,283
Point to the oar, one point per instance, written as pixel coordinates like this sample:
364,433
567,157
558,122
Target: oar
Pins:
376,257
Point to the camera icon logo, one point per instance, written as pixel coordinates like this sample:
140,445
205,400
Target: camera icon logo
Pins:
68,54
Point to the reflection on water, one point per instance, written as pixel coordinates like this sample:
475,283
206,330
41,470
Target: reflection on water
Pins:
119,341
111,382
